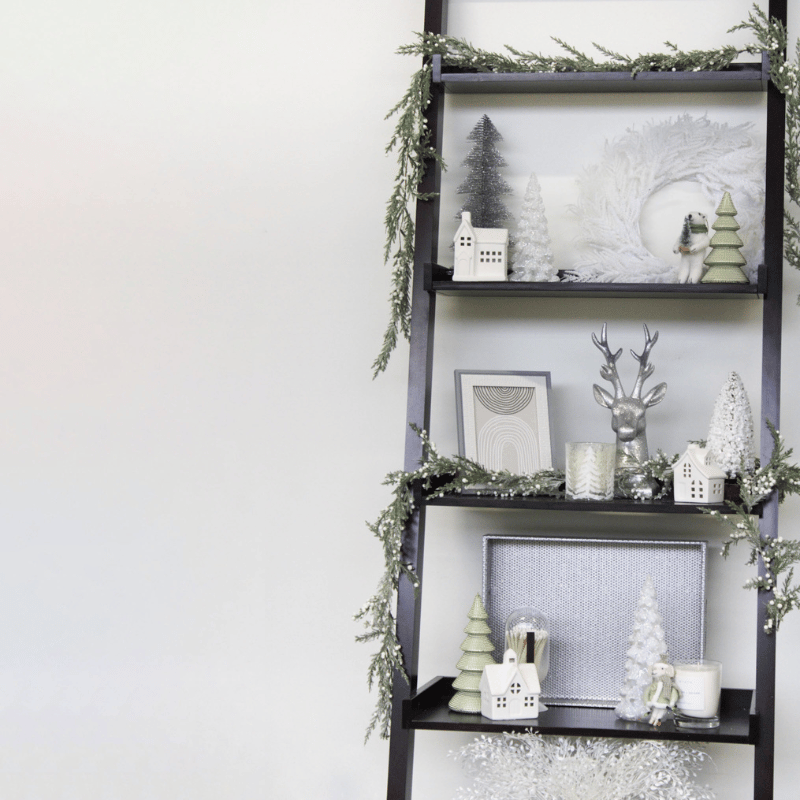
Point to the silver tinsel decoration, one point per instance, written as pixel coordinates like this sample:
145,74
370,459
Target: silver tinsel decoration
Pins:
528,766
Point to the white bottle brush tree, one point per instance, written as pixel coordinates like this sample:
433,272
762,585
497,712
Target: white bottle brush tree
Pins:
647,645
730,435
534,258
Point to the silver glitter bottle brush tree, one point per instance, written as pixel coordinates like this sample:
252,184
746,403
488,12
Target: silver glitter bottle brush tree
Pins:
484,183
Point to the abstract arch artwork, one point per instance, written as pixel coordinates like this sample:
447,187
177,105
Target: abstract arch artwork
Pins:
503,419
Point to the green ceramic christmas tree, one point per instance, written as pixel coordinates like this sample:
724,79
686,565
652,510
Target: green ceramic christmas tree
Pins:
477,654
724,262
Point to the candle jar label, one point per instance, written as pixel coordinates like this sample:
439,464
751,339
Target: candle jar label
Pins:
699,684
693,693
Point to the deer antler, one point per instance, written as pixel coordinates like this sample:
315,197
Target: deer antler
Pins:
609,369
645,368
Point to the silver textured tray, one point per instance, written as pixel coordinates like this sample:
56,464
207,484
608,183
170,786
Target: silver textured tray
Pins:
589,589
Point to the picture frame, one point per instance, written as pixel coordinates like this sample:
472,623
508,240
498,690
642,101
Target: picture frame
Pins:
588,589
504,420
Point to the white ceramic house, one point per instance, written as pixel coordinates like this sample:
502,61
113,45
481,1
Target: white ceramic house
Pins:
698,478
481,254
510,690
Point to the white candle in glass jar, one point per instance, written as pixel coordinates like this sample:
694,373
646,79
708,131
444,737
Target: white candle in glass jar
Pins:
699,683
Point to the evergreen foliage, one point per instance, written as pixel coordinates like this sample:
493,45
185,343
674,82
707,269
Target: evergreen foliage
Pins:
777,555
437,476
415,151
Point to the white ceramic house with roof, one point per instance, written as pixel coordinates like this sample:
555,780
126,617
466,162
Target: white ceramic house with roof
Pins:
481,254
510,690
698,478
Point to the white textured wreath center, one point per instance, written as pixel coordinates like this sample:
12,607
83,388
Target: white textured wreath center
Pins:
717,157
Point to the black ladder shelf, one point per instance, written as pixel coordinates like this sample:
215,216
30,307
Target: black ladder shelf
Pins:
748,717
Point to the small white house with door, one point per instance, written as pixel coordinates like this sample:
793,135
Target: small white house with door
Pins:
698,478
481,254
510,690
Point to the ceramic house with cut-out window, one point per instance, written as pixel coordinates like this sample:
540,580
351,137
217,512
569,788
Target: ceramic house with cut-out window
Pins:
510,690
698,478
481,254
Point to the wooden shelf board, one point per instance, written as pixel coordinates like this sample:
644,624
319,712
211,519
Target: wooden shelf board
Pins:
434,282
427,710
665,506
750,77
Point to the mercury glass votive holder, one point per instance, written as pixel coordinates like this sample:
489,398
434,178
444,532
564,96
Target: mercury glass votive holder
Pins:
590,470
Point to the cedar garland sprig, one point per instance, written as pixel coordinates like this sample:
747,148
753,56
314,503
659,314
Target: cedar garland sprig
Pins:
661,468
437,476
461,54
772,37
412,140
778,555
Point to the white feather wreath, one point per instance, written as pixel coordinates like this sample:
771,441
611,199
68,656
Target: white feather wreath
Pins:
612,194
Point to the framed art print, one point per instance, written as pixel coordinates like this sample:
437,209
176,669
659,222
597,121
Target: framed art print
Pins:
504,419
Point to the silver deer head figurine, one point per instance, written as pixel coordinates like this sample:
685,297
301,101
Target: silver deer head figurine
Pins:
628,411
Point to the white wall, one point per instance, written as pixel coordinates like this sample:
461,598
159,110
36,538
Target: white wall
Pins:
191,294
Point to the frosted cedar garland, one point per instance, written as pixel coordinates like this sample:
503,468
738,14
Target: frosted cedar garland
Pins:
436,476
778,555
412,137
439,475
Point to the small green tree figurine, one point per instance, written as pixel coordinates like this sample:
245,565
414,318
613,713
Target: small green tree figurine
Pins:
725,261
477,654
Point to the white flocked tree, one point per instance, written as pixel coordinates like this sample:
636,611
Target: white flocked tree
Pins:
730,434
647,645
534,258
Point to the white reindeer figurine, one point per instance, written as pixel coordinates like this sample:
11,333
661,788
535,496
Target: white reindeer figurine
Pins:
628,414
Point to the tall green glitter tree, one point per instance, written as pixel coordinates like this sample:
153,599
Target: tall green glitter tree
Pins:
484,183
